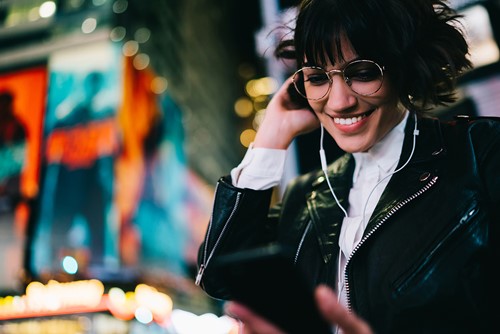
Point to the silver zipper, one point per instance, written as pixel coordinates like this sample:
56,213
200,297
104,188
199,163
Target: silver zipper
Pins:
302,242
206,259
377,226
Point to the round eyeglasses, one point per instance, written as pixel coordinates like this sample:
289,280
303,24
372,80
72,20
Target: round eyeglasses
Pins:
364,77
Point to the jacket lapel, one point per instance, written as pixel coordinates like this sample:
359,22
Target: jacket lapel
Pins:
417,174
326,215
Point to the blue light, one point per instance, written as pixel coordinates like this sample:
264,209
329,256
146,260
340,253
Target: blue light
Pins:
70,265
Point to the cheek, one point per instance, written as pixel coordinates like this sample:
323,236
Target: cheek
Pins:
387,102
317,106
388,93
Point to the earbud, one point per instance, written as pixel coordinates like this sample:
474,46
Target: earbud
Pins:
322,157
416,131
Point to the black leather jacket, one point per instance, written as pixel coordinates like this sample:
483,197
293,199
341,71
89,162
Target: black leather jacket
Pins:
428,260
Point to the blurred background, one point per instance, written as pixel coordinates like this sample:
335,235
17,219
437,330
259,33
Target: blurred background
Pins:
116,120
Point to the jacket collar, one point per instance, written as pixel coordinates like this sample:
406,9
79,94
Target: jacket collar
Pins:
326,215
421,170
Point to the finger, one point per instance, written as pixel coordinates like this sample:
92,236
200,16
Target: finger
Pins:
253,323
337,314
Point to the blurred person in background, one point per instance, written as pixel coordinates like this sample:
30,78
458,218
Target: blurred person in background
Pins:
401,233
12,153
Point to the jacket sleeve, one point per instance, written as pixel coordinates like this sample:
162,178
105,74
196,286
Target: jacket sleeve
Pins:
484,137
240,220
488,157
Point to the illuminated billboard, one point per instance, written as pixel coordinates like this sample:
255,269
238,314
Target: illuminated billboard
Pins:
22,105
112,201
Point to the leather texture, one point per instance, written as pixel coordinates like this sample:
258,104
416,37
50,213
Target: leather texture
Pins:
428,260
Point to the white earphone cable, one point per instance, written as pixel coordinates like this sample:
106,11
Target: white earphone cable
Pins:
322,157
415,134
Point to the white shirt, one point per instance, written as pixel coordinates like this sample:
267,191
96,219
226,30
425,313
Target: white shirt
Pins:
262,168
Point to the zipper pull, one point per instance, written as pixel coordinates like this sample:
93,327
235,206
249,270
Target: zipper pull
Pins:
200,274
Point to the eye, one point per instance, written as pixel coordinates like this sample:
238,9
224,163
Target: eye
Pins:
366,75
362,71
316,77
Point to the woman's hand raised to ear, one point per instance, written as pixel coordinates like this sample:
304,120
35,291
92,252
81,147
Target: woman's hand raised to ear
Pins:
284,120
326,299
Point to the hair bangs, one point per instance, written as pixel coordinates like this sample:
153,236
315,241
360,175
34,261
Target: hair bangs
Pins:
323,44
323,28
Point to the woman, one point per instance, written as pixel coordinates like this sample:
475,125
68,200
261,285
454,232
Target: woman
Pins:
405,226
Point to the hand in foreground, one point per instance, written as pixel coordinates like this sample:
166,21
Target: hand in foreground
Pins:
328,305
337,314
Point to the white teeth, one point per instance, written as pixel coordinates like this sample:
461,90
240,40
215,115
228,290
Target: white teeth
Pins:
348,121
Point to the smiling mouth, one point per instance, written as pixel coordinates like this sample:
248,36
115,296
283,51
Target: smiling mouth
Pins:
352,120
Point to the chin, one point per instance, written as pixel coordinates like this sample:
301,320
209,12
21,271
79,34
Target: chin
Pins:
352,149
353,146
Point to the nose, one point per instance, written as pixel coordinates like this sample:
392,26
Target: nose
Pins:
341,97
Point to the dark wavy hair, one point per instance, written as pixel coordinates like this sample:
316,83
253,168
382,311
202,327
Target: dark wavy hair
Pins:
420,43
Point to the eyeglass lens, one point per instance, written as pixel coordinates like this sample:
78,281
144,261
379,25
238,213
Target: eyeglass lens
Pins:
364,77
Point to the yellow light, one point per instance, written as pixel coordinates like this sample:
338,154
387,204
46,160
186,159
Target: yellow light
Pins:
268,86
263,86
243,107
34,14
159,85
35,296
260,102
159,303
141,61
130,48
247,137
54,295
116,296
121,304
250,88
